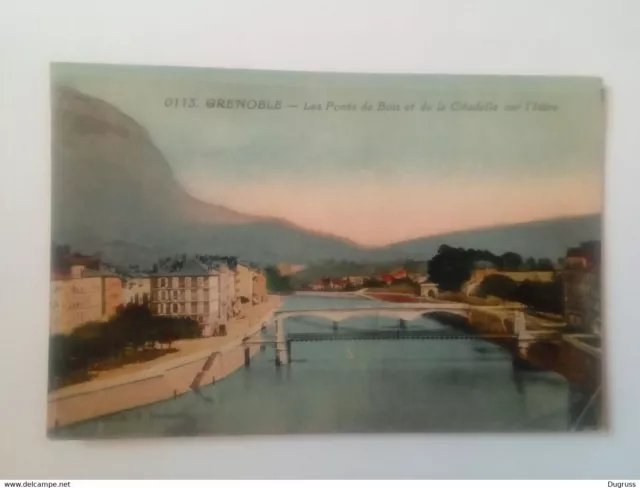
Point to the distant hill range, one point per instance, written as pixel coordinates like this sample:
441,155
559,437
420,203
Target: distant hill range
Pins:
114,192
539,239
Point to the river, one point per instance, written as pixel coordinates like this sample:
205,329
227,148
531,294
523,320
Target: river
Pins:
357,387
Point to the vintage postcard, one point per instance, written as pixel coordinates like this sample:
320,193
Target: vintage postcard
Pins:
254,252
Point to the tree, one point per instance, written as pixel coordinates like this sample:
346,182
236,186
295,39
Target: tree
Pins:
450,268
545,264
530,264
166,331
542,296
60,360
498,286
372,283
511,261
135,325
592,250
275,281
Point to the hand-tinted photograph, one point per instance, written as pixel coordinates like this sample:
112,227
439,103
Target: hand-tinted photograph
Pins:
239,252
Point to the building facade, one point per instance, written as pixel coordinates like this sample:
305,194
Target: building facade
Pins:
355,280
112,292
244,282
581,291
227,290
83,295
260,294
192,291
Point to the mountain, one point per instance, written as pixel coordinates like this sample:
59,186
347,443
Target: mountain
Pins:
114,192
539,239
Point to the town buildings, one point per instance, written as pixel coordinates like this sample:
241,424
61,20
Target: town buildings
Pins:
260,293
209,291
189,289
227,290
317,285
386,278
399,274
80,295
206,289
355,280
581,279
244,282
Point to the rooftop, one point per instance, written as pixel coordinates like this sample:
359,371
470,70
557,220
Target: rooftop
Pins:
191,267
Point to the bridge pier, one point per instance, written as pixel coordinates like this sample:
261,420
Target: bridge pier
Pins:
335,326
288,350
247,356
402,323
281,347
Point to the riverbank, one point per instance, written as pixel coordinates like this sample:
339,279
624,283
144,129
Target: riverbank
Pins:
562,353
197,362
329,294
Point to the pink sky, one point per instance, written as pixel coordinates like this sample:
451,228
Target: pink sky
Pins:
378,213
374,177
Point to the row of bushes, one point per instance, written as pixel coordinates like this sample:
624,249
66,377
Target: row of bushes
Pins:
134,329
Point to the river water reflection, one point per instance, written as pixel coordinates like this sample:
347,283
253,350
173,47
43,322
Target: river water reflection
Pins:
358,387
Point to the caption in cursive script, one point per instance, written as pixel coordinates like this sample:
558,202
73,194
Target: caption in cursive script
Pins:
365,106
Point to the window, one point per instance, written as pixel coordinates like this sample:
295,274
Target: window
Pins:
187,282
163,295
175,282
200,281
175,308
175,294
163,282
161,309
